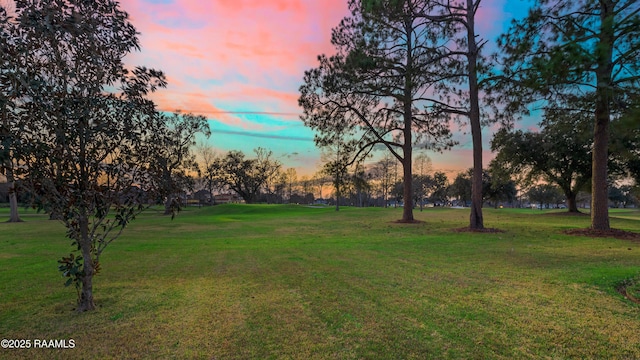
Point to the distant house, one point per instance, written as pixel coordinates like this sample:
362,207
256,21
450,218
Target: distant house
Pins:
202,196
228,199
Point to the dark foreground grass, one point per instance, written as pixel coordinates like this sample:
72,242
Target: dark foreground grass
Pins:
243,282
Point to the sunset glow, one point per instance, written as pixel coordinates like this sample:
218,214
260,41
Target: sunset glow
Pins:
241,62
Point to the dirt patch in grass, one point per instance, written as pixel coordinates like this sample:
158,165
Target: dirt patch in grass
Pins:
614,233
485,230
629,290
566,213
407,222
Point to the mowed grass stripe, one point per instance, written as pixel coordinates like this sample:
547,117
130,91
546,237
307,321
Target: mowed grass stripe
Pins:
265,281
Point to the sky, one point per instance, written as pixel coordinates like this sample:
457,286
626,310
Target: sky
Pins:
240,63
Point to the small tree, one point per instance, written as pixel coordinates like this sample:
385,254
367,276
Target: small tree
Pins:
460,189
85,153
207,156
176,159
544,194
438,190
291,177
336,158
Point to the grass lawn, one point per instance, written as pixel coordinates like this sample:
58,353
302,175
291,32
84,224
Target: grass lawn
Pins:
263,281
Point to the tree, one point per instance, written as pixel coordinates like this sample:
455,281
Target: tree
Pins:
498,186
560,153
307,186
568,50
438,189
207,156
624,147
176,158
621,195
85,149
360,184
461,187
458,74
274,187
245,176
544,194
421,179
8,96
372,91
335,156
291,177
467,63
384,172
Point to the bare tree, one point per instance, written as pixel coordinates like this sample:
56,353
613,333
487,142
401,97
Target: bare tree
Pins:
207,157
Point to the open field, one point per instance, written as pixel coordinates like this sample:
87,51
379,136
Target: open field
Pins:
262,281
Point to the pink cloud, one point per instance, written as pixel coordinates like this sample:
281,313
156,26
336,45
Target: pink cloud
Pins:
250,51
251,55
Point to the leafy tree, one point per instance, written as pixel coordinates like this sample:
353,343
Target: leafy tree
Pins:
373,90
544,194
420,185
560,152
624,147
587,50
439,186
621,195
498,186
8,96
176,159
245,176
86,147
461,188
360,184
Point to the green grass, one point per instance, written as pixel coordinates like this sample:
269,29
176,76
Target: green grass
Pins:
241,281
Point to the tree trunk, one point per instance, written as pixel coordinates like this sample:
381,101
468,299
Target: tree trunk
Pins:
407,147
599,187
13,198
337,193
407,210
8,167
476,220
571,202
212,199
85,302
167,205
